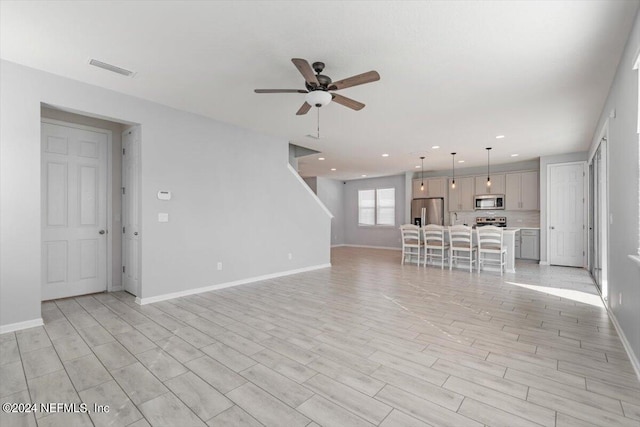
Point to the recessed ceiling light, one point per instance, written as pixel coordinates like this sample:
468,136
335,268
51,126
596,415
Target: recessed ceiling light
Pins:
364,176
417,166
385,155
499,136
514,155
320,158
435,147
460,161
333,169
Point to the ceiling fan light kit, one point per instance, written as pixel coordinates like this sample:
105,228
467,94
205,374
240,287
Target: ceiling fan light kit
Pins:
318,98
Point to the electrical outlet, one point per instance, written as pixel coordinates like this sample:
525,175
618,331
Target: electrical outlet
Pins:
219,266
290,256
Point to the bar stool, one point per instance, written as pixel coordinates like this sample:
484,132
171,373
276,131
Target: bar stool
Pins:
461,241
433,238
490,241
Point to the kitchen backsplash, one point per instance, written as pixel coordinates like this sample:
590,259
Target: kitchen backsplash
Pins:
514,218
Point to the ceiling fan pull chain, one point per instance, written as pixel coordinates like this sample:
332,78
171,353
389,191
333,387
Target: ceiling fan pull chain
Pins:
318,123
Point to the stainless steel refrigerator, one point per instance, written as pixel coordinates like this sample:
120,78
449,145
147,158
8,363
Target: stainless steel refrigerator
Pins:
427,211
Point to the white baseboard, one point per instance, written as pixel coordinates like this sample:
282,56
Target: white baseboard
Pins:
21,325
116,288
338,245
373,247
544,263
625,343
149,300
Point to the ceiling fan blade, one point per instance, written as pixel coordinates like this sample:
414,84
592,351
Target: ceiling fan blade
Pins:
304,109
280,91
307,72
347,102
360,79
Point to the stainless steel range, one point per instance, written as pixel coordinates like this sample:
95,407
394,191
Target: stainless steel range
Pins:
498,221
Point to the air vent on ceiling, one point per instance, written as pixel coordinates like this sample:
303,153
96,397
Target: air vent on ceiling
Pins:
111,68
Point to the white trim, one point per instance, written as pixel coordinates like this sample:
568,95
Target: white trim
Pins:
11,327
109,206
306,186
585,219
149,300
373,247
339,245
604,133
625,343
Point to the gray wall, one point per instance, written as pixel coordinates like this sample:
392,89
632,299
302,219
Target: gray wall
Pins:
624,274
331,192
312,182
116,181
373,236
545,161
219,174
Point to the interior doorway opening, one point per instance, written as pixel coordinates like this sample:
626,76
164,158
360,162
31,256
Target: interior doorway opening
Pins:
82,203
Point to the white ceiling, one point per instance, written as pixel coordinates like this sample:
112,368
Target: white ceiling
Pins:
453,74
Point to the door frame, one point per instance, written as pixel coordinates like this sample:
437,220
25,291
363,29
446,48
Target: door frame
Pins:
109,206
585,187
602,136
131,128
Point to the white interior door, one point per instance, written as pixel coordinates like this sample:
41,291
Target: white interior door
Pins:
74,211
130,210
566,214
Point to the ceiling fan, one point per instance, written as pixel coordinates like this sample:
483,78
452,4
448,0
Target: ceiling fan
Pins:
319,86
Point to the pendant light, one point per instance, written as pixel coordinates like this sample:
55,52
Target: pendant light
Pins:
488,168
453,168
422,173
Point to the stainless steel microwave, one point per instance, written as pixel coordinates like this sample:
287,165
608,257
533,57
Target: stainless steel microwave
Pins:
488,201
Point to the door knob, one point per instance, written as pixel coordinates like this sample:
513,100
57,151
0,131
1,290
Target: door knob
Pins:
551,227
135,233
101,231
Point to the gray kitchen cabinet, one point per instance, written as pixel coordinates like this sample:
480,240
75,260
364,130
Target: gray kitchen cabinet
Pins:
530,244
522,191
516,248
497,184
433,187
461,197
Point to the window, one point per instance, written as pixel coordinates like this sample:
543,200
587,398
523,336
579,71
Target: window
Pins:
377,207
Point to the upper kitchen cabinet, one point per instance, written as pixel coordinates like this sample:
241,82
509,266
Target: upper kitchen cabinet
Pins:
433,187
497,184
461,197
522,191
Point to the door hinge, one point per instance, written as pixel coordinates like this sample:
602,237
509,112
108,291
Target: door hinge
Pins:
123,190
123,268
122,230
123,151
582,253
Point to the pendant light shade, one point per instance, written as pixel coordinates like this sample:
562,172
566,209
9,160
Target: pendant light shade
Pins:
453,169
422,173
488,167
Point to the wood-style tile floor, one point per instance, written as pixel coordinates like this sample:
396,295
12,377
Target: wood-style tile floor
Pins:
366,342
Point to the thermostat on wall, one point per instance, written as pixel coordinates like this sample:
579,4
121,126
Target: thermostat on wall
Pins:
164,195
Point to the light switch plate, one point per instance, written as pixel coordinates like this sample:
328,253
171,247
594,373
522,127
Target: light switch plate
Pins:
163,217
